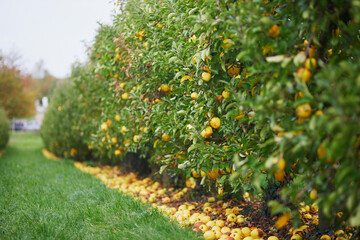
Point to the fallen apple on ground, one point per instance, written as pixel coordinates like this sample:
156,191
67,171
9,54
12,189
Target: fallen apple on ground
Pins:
213,218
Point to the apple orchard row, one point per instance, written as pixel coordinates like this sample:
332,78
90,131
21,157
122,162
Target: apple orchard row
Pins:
244,96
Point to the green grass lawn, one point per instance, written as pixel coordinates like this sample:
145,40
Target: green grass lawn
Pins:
47,199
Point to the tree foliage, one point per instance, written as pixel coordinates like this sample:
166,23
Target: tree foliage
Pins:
16,101
19,91
254,94
59,127
4,129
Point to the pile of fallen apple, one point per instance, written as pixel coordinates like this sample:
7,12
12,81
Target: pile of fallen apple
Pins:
214,219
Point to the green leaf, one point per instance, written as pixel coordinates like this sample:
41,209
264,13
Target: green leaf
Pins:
241,55
192,147
162,169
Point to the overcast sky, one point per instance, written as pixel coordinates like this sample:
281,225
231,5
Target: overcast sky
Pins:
51,30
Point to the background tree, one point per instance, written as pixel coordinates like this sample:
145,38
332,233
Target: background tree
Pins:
14,98
19,91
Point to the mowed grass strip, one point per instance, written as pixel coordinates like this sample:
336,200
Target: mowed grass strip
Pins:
47,199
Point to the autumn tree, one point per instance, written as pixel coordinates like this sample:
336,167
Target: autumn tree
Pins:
15,97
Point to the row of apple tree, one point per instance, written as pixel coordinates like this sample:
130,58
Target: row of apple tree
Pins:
242,95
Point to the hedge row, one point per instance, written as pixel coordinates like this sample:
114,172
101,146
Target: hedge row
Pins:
4,129
245,95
